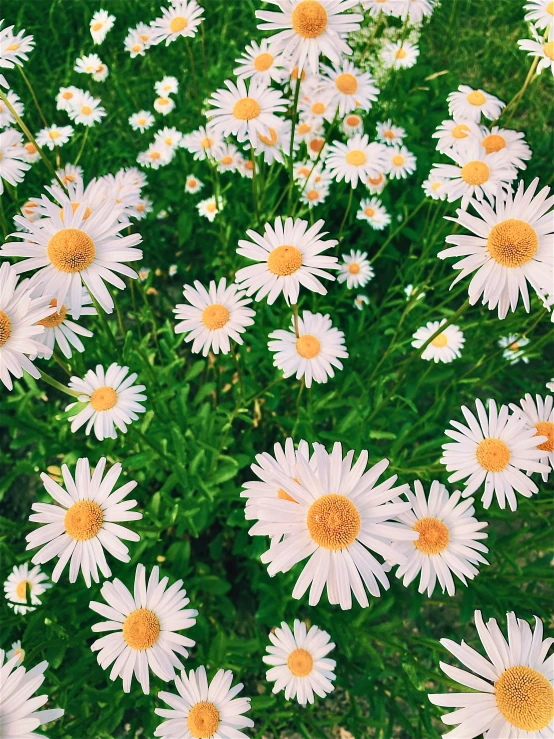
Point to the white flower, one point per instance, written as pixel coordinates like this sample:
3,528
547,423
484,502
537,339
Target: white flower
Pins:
399,54
540,13
356,160
410,291
112,400
550,385
143,273
67,97
261,63
204,710
167,86
352,124
70,173
87,110
168,136
193,184
468,104
376,183
360,301
58,329
288,255
181,20
141,121
16,651
413,11
134,44
511,693
100,23
157,155
388,133
314,194
455,135
513,348
144,626
230,159
213,316
399,162
54,136
512,246
30,153
445,347
12,159
206,142
101,73
85,522
164,105
540,48
433,187
512,143
376,7
209,208
275,144
13,49
299,662
539,414
493,449
87,64
6,118
23,587
172,271
348,87
356,270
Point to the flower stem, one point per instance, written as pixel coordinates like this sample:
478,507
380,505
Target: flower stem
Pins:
105,325
254,185
398,230
295,319
346,213
82,147
462,309
292,132
26,79
58,385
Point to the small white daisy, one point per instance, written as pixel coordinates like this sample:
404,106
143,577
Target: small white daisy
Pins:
12,159
54,136
70,173
399,54
101,73
23,587
204,143
164,105
30,152
388,133
143,273
60,331
356,160
261,63
356,270
193,184
87,111
376,183
67,97
141,121
134,45
16,651
433,187
513,346
399,162
348,87
6,118
168,136
360,301
314,194
455,135
172,271
14,49
230,159
511,142
374,212
376,7
157,155
352,124
180,20
100,23
167,86
469,104
87,64
540,48
539,414
445,347
209,208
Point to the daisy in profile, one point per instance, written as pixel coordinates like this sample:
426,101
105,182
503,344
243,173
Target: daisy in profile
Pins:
389,134
445,347
449,539
455,135
376,7
511,247
539,414
510,689
180,20
70,173
360,301
356,160
513,346
340,514
202,709
16,651
60,331
164,105
167,86
399,162
307,29
23,587
204,143
356,270
19,716
54,136
31,153
86,521
209,208
348,87
540,13
288,256
399,54
433,187
230,159
376,182
374,212
352,124
261,63
88,110
511,142
100,23
111,399
275,143
157,155
101,73
144,626
87,64
299,662
193,184
213,316
539,47
6,118
141,121
245,112
469,104
494,449
12,159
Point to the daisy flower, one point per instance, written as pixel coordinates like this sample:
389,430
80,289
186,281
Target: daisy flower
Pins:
455,135
348,87
143,273
134,45
356,160
388,133
413,11
433,187
6,118
360,301
202,709
23,587
164,105
511,142
157,155
70,173
307,29
14,49
338,517
101,73
170,137
356,270
67,97
317,104
30,210
19,716
143,207
540,48
399,162
16,651
167,86
60,331
54,136
352,124
206,142
111,398
494,450
88,110
314,194
511,246
12,159
275,143
288,255
180,20
299,662
376,7
193,184
540,13
213,316
511,692
100,23
376,183
411,291
230,159
445,347
31,153
468,104
261,63
513,348
399,54
144,626
245,112
448,541
539,414
87,64
374,212
209,208
172,271
141,121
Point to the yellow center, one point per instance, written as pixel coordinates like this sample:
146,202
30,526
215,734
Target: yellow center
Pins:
192,183
493,455
309,19
263,61
401,53
525,698
304,171
294,74
317,144
436,185
83,520
227,160
369,212
333,522
141,121
493,143
67,95
512,243
514,347
346,83
375,180
270,140
68,178
5,328
215,316
103,398
71,250
284,260
163,101
354,268
56,318
461,131
211,207
97,26
54,134
398,160
475,173
155,155
300,662
136,47
203,720
304,128
86,110
440,341
30,148
178,24
21,589
546,428
141,629
352,120
389,134
206,142
308,346
356,158
318,108
433,535
13,47
476,98
550,8
246,108
312,195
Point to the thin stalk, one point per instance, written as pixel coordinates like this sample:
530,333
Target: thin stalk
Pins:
58,385
25,78
298,398
292,132
105,324
398,230
295,319
454,317
83,143
194,78
254,185
320,152
346,213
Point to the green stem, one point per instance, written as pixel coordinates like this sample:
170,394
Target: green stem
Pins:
254,185
292,133
106,325
346,213
398,230
454,317
320,152
83,143
295,319
22,73
58,385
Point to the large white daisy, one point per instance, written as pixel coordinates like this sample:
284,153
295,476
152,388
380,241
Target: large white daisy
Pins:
180,20
539,414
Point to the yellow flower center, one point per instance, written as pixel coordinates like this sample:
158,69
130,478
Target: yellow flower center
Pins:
86,110
546,428
246,108
309,19
353,120
136,47
270,140
389,134
206,142
300,662
83,520
304,128
440,341
203,720
155,155
211,207
548,50
550,8
433,535
68,178
304,172
401,53
67,95
375,180
346,83
369,212
192,183
354,268
318,108
333,522
461,131
97,26
284,260
54,134
163,101
178,24
141,121
30,148
263,61
512,243
398,160
493,455
5,328
71,250
475,173
294,74
21,589
103,398
476,98
226,160
525,698
56,318
215,316
312,195
13,47
356,158
493,142
514,347
317,144
141,629
308,346
435,186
